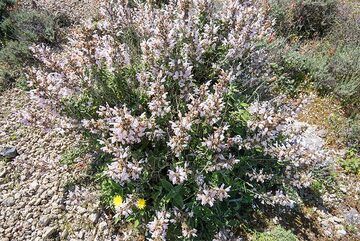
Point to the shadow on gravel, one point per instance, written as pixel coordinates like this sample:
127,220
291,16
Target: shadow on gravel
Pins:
303,225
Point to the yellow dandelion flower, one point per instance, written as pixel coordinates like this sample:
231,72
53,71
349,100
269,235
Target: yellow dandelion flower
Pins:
117,201
141,203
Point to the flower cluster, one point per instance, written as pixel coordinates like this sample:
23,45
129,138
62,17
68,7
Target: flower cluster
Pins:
158,227
208,196
303,150
179,175
165,82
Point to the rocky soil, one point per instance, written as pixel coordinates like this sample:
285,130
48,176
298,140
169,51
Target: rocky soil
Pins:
74,10
39,196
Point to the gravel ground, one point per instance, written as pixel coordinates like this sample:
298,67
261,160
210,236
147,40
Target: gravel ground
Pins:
39,199
76,10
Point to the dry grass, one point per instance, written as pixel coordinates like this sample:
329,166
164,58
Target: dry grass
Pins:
327,113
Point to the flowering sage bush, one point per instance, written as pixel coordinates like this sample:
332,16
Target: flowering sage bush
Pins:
161,90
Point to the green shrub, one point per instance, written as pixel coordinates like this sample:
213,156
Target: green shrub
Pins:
4,13
4,7
332,64
107,89
331,69
30,26
346,28
289,66
342,48
351,163
19,30
303,18
276,234
13,57
353,133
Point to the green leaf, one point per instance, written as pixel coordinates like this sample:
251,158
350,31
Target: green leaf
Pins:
136,223
178,201
166,185
244,104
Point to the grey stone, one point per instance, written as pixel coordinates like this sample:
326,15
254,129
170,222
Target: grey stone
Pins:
3,173
81,234
49,231
64,234
352,216
21,205
10,201
341,232
45,220
8,230
34,185
343,189
8,152
28,215
17,195
336,219
94,217
102,225
38,201
81,210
